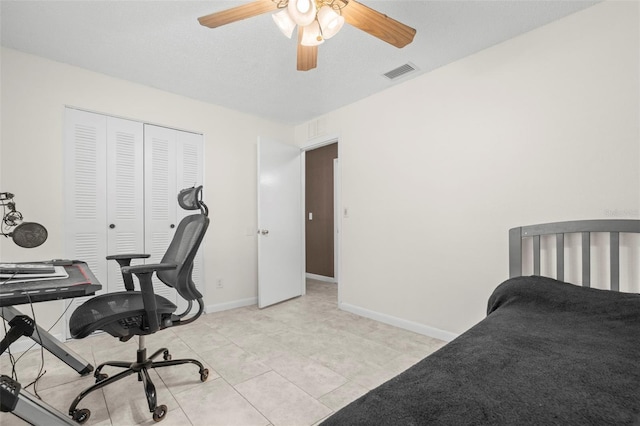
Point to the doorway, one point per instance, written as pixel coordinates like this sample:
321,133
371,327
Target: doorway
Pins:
321,178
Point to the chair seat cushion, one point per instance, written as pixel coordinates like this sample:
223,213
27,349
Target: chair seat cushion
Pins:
120,314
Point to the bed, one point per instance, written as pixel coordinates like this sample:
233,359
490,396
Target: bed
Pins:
547,353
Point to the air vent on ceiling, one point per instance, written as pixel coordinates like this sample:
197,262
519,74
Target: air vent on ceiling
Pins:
401,71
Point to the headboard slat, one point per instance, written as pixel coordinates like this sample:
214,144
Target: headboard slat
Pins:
536,255
515,252
586,259
614,251
560,256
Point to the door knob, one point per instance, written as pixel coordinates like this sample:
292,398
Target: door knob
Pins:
112,226
264,231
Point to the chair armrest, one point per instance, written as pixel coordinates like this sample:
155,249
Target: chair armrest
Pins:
125,260
144,273
151,267
128,256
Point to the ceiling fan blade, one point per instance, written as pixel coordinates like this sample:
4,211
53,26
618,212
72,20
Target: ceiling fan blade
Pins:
377,24
249,10
307,55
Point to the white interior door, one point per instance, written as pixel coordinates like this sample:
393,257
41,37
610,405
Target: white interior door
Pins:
280,249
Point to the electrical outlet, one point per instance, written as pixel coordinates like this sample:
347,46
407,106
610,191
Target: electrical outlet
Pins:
219,283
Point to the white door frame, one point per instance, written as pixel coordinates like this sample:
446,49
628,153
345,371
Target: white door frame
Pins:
310,145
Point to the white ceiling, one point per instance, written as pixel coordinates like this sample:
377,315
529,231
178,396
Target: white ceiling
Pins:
249,65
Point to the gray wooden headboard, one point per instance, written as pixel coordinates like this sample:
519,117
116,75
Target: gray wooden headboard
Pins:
584,227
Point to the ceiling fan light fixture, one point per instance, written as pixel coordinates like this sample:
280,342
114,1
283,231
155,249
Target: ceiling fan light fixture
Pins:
284,22
302,12
311,35
330,21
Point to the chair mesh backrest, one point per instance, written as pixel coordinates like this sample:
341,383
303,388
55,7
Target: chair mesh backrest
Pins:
182,251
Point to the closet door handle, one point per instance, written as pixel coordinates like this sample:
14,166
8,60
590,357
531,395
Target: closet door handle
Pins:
172,226
112,226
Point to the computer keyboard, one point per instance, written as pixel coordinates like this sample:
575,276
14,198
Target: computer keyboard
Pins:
26,268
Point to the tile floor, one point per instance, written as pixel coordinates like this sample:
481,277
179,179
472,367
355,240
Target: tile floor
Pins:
294,363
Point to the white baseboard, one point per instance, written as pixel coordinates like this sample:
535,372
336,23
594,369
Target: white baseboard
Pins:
400,323
321,278
219,307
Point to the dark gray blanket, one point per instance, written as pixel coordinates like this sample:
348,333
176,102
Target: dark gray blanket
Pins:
548,353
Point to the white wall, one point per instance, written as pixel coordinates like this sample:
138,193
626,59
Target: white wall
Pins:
541,128
34,93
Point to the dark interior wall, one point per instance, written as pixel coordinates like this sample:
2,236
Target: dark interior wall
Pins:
319,203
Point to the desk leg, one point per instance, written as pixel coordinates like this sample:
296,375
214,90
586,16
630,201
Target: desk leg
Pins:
37,412
53,345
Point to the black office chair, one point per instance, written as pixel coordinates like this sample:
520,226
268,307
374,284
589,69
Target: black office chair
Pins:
131,313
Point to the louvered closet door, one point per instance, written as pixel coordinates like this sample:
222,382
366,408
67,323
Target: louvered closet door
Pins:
104,187
160,197
125,194
173,161
85,183
190,154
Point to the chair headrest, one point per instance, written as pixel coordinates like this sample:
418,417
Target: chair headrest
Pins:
191,198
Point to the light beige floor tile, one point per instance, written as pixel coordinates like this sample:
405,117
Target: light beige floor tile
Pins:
127,402
352,323
8,419
308,375
181,377
217,403
175,417
281,401
81,347
204,343
235,325
343,395
298,315
294,363
264,346
373,376
36,361
350,364
264,324
308,340
404,341
62,396
114,350
234,364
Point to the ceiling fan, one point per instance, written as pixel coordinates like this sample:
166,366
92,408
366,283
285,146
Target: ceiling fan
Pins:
317,20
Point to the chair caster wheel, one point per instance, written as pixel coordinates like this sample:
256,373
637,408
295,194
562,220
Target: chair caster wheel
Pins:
101,376
204,375
166,355
81,415
159,413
